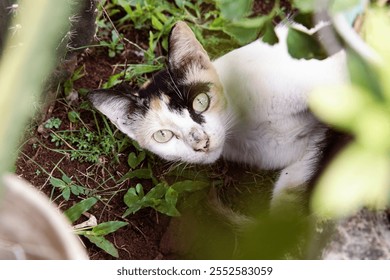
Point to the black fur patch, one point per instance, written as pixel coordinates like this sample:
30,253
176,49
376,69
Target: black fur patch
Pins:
181,95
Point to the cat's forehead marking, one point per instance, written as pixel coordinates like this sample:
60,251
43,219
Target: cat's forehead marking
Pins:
157,101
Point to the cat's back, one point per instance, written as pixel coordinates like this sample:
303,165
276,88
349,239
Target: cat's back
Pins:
268,91
259,59
259,74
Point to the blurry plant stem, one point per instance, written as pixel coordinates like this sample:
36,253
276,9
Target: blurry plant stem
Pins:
27,60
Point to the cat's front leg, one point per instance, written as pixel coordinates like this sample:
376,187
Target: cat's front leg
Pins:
292,182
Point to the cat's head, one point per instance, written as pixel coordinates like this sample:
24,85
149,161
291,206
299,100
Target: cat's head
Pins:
179,113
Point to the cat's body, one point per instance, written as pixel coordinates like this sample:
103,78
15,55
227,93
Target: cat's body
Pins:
267,90
249,106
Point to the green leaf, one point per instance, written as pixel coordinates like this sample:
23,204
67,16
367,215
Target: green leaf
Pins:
180,3
57,183
131,197
233,9
241,34
356,178
141,157
364,75
66,193
66,179
108,227
132,208
136,145
157,192
306,6
339,106
113,80
171,196
302,45
156,23
167,209
268,34
103,244
73,116
76,189
143,173
189,186
246,30
140,191
74,212
162,18
306,19
125,5
133,160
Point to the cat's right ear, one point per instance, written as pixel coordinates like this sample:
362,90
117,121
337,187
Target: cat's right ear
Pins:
185,50
119,108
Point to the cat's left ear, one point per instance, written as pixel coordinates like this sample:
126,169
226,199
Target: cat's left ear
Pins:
185,51
121,109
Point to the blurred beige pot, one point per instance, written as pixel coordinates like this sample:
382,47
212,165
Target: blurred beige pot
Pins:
31,227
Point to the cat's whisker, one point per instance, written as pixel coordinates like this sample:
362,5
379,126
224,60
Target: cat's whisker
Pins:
175,87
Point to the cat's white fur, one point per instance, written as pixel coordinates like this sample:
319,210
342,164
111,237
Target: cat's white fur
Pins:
268,90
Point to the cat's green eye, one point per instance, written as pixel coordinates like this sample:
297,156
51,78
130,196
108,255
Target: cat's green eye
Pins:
163,136
201,103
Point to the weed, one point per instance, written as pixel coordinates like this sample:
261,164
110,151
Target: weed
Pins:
53,123
67,187
162,197
115,45
89,146
96,233
77,74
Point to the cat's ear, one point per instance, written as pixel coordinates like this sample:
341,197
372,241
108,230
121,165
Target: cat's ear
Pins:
185,51
121,109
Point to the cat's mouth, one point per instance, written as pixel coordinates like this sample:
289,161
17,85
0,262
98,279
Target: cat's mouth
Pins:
206,156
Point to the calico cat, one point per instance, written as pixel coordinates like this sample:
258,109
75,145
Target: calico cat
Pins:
248,106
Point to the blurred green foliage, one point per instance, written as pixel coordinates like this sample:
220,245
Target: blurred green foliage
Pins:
360,174
27,59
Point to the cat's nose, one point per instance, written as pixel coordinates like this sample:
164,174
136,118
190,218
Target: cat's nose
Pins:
199,140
